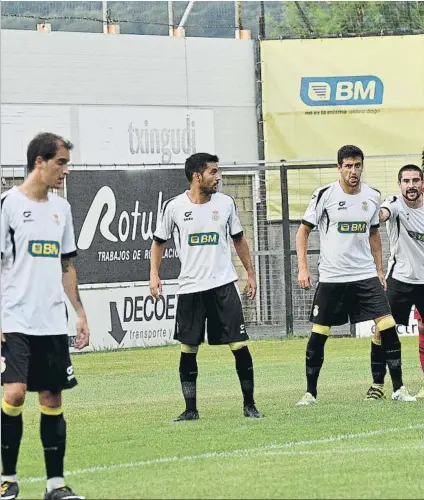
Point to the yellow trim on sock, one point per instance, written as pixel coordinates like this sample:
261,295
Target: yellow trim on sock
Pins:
235,346
12,411
46,410
376,337
385,323
322,330
189,349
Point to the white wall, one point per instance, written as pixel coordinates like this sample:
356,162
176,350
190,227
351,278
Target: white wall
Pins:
75,69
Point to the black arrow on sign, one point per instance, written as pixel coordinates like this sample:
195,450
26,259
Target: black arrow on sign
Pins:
117,332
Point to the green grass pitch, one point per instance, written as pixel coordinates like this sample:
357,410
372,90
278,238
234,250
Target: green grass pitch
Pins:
122,444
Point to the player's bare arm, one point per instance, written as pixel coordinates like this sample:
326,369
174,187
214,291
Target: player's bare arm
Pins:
384,215
302,238
156,254
377,253
70,285
242,248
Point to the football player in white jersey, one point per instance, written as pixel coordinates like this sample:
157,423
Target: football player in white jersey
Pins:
203,223
37,244
351,283
404,217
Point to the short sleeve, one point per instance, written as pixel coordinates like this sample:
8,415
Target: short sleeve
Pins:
69,248
234,223
313,213
4,227
164,228
392,205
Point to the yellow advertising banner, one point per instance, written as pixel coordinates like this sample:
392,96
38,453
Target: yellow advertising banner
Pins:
321,94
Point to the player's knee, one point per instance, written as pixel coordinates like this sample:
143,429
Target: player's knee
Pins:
49,399
321,329
189,349
14,394
235,346
385,323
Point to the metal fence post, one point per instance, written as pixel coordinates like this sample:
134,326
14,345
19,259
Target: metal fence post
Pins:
286,249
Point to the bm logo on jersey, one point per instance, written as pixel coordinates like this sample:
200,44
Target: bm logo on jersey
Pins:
416,236
43,248
361,90
197,239
352,227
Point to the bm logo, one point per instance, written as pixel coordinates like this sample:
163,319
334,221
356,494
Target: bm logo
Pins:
43,248
352,227
203,239
416,236
342,90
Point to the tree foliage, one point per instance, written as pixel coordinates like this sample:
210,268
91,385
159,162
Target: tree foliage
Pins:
217,19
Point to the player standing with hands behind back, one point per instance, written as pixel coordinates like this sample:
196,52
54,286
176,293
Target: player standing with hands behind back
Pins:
37,244
202,221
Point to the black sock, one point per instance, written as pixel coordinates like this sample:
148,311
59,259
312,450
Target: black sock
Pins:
244,367
11,436
392,350
53,437
188,377
378,363
314,360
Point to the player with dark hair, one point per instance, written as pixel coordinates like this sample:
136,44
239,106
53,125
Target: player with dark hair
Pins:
37,244
203,222
404,217
351,279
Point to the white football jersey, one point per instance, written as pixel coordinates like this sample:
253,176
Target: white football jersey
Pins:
344,222
202,234
406,237
34,236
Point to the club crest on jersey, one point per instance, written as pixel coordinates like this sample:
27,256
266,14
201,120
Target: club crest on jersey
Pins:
56,219
215,215
352,227
416,236
365,206
197,239
43,248
315,311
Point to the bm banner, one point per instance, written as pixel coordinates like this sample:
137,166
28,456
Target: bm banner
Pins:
321,94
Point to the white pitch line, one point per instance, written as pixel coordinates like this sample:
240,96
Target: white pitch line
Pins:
262,450
348,451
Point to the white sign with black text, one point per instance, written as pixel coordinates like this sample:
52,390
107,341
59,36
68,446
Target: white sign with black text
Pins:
367,328
127,317
143,134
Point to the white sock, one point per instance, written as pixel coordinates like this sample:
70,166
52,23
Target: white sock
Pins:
55,482
11,479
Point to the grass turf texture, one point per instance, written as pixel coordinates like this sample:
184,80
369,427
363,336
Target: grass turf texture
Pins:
122,441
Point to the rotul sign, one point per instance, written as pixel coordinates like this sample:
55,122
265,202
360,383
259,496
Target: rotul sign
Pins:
115,215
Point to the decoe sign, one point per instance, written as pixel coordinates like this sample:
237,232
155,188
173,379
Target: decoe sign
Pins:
127,317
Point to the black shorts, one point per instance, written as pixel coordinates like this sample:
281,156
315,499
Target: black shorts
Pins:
402,296
337,303
220,307
42,363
